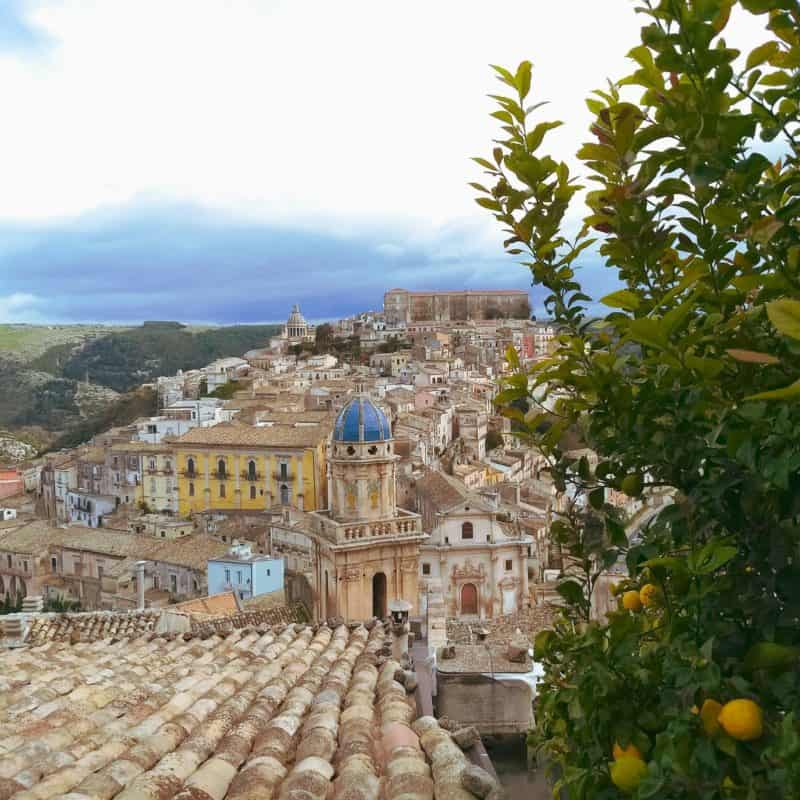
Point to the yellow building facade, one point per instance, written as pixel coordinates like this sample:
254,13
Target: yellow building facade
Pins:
232,467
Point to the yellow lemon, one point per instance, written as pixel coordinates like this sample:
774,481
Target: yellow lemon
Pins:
709,714
627,773
650,595
632,601
620,752
742,719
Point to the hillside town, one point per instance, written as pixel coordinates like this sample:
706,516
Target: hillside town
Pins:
340,467
345,495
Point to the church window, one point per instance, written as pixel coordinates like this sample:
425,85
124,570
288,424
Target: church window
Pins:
251,470
467,531
351,451
222,490
372,450
190,466
221,468
191,490
509,565
252,492
284,471
426,569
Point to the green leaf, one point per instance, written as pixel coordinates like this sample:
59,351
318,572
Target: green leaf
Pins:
541,644
534,138
762,6
624,298
761,54
522,80
768,655
512,356
711,557
672,186
598,152
669,563
784,314
723,216
647,331
597,498
786,393
571,591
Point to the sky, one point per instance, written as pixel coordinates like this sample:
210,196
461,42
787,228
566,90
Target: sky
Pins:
219,160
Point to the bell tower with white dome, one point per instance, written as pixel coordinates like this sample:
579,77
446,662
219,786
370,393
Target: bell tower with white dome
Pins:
363,464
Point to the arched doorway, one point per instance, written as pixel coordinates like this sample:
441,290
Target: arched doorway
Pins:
469,599
379,595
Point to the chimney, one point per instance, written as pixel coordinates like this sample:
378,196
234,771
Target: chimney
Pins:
140,585
399,611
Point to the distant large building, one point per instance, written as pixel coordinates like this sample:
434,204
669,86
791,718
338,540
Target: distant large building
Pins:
404,306
295,331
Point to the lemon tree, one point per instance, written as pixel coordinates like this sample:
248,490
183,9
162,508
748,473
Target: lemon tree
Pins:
690,380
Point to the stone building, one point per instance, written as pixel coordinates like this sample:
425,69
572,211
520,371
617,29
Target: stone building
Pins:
477,555
367,549
404,306
295,331
233,467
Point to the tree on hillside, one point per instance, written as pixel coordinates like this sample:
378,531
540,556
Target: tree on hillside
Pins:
323,338
691,689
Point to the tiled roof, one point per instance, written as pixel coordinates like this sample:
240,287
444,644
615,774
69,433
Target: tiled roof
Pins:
232,435
31,539
192,551
88,627
291,713
444,492
215,605
281,615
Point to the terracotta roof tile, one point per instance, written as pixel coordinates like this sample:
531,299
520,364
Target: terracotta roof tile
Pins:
215,605
284,712
237,435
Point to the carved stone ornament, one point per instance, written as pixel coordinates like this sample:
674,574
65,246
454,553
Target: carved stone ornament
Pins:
409,566
350,574
469,571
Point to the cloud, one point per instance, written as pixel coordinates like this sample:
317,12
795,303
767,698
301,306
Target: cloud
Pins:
19,33
172,261
220,160
20,307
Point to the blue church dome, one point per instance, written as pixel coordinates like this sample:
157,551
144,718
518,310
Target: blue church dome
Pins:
361,421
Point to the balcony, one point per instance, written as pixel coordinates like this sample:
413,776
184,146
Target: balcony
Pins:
280,477
221,476
251,476
369,530
193,475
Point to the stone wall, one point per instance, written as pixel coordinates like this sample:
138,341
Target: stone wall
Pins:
494,706
501,629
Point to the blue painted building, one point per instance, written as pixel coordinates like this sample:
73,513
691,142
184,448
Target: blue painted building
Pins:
246,574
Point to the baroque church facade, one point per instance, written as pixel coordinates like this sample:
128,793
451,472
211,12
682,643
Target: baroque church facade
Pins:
367,549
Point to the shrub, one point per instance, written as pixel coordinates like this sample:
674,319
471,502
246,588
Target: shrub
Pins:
690,384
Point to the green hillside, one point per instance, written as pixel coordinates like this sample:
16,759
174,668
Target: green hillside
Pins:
45,365
125,359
